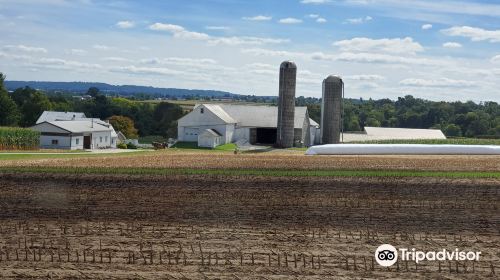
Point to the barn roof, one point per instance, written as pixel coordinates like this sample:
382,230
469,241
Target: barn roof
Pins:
255,116
217,110
48,116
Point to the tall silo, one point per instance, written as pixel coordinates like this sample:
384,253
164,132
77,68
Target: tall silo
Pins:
286,105
331,110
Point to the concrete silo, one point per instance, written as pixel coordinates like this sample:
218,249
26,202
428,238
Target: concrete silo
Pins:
286,105
331,110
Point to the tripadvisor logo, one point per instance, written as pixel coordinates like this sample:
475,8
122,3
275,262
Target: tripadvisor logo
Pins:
387,255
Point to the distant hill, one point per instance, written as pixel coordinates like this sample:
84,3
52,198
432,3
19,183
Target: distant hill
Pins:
82,87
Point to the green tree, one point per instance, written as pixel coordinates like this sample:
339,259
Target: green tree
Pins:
125,125
9,113
34,103
452,130
164,116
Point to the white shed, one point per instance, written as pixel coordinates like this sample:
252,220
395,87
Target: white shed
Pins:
209,138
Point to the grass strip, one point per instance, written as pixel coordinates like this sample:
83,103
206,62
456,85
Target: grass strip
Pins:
253,172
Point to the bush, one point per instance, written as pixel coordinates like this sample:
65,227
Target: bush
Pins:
131,146
13,138
121,146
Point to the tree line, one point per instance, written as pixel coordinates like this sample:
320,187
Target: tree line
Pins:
460,119
23,107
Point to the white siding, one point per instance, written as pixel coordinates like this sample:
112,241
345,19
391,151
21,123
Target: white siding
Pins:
241,133
55,142
101,140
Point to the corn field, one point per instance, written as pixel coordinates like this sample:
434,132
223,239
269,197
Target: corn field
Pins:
203,227
14,138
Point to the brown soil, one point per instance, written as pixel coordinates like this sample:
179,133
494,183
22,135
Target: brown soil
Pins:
211,227
293,161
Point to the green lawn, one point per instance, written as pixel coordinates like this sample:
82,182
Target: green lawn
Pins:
194,145
252,172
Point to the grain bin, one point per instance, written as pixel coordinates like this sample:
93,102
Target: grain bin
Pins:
286,105
331,110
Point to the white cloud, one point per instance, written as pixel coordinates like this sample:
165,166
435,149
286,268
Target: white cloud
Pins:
396,45
320,20
235,41
183,61
474,33
178,31
145,70
437,83
101,47
258,18
166,27
63,64
290,20
125,24
358,20
384,59
314,1
216,27
23,48
364,77
427,26
313,16
496,58
452,45
116,59
77,52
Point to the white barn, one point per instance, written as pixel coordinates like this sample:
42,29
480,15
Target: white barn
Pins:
73,131
246,123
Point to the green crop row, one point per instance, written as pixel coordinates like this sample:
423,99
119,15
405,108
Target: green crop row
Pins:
14,138
255,172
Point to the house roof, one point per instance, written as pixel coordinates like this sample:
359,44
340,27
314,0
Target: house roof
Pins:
48,116
81,126
255,116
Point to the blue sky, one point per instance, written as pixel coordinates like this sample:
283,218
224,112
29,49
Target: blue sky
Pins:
439,50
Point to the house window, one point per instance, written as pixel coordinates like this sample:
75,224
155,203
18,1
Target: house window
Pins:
77,141
202,110
106,139
112,141
55,142
100,139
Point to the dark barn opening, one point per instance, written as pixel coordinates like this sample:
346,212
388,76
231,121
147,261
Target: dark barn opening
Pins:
266,136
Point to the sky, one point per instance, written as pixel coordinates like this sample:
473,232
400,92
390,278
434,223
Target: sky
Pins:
438,50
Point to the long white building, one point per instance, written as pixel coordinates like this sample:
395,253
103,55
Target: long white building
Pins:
74,131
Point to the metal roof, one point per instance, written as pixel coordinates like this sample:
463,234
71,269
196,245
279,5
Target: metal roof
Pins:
255,116
217,110
386,133
48,116
212,132
82,126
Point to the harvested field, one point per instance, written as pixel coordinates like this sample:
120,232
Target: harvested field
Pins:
289,160
216,227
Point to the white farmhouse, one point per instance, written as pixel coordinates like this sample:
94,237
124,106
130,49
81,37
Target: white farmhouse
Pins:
73,131
242,123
